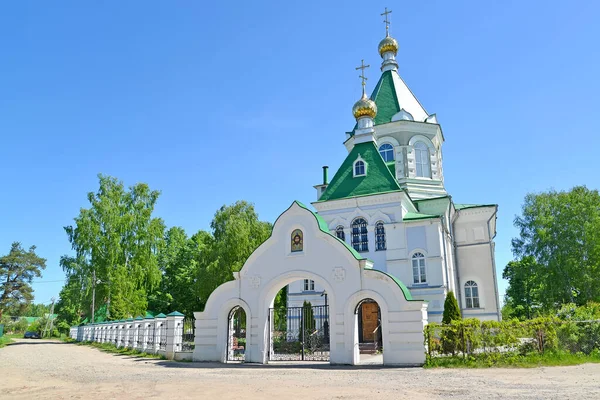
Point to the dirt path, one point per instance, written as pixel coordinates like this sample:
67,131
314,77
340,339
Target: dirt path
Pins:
45,369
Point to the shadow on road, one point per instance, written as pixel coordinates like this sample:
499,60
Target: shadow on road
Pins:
272,365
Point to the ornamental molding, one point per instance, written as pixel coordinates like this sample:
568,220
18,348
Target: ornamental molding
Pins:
338,274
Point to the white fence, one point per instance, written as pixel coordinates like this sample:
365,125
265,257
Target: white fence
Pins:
161,335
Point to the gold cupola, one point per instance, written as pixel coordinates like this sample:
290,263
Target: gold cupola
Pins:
364,107
388,44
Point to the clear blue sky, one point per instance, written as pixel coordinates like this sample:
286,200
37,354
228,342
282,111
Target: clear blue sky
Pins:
247,100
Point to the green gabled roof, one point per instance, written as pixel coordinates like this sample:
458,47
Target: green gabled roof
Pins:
417,216
465,206
385,99
378,179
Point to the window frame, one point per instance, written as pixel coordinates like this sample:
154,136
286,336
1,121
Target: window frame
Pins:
472,301
380,239
360,235
419,256
309,285
390,149
421,148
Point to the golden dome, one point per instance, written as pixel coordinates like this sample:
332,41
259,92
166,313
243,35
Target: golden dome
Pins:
364,107
388,44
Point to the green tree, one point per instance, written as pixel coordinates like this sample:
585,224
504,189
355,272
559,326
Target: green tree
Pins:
236,233
17,270
451,309
524,288
116,242
561,231
308,319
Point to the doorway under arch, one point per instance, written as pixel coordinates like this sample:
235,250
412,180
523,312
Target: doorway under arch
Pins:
299,323
370,331
236,335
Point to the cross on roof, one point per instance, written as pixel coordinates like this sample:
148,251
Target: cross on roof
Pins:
362,73
387,21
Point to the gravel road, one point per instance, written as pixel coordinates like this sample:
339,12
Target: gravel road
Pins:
55,370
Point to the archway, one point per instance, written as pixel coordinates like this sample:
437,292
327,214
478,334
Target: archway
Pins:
299,323
369,332
302,248
236,334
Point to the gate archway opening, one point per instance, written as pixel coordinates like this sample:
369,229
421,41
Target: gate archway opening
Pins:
370,332
299,323
236,335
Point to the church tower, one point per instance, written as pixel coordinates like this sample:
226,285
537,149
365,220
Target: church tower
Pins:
388,201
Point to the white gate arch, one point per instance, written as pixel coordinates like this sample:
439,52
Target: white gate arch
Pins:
347,277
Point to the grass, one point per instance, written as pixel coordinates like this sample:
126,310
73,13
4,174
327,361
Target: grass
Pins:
514,360
4,340
110,348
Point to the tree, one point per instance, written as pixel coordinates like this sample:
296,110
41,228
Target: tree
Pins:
561,231
17,270
524,287
308,322
451,309
237,232
116,242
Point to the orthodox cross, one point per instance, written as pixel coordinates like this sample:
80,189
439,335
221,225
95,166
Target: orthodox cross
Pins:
387,21
362,73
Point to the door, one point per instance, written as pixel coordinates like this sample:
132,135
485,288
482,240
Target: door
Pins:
370,321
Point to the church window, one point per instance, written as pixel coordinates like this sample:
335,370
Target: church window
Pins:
297,240
387,152
418,267
422,160
471,294
309,285
360,241
339,232
359,168
379,236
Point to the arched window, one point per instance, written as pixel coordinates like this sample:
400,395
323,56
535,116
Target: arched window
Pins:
387,152
418,266
471,294
379,236
360,242
359,168
339,232
422,160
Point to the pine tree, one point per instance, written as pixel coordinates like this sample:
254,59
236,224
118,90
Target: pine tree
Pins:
451,309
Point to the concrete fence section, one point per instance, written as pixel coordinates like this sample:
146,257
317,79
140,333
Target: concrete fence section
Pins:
161,335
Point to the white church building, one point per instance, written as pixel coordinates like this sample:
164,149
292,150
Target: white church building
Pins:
388,201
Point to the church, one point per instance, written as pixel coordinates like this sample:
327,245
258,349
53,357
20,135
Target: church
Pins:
366,272
388,201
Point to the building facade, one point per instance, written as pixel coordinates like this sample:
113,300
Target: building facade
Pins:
388,201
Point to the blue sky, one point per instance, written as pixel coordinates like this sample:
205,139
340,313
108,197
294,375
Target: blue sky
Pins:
247,100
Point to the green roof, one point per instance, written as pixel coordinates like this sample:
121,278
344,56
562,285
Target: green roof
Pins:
378,179
385,98
410,216
465,206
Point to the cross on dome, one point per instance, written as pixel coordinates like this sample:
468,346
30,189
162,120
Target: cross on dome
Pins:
362,74
386,21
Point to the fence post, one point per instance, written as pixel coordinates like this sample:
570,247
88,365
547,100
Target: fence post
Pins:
174,333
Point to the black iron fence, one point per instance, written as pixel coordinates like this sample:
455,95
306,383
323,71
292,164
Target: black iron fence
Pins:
299,334
188,334
162,344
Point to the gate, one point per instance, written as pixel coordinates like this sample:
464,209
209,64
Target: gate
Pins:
299,333
236,337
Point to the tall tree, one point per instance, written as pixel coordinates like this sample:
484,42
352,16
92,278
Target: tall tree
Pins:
17,270
451,309
524,287
561,231
116,242
237,232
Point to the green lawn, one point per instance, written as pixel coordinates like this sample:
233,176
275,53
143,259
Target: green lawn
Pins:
109,348
504,360
4,340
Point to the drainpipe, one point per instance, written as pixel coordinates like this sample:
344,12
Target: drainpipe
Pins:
456,266
325,171
445,254
494,215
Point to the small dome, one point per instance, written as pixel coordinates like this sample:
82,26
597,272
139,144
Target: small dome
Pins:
388,44
364,107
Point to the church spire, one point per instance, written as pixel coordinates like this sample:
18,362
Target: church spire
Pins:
364,111
388,47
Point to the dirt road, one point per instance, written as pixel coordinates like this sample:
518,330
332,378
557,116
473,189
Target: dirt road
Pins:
52,370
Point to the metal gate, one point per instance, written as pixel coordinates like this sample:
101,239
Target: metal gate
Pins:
236,336
299,333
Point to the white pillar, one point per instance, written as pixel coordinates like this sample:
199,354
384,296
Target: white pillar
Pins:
174,333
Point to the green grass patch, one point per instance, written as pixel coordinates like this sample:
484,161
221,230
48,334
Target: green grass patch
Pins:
515,360
4,340
110,348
